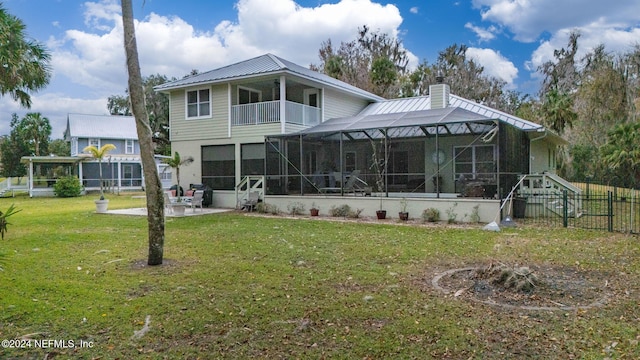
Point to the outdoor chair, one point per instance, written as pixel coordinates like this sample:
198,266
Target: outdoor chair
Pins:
167,203
198,198
251,201
353,184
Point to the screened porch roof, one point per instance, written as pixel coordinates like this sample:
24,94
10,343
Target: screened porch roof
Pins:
413,117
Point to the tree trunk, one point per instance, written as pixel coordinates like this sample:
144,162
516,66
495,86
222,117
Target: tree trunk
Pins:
153,186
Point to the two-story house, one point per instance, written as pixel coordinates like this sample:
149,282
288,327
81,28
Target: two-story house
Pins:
292,134
121,167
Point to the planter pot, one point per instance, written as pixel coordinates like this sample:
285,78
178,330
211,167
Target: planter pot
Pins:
178,209
381,214
101,206
403,215
314,212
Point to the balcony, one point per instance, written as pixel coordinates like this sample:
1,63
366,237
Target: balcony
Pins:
269,112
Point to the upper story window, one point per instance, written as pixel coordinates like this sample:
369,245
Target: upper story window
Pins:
128,148
94,142
198,103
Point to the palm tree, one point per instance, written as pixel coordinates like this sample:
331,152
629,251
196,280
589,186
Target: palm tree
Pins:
175,162
99,154
25,63
36,129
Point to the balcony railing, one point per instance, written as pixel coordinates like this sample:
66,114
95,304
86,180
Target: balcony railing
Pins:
269,112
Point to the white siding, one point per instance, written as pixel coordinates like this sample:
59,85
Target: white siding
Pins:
337,104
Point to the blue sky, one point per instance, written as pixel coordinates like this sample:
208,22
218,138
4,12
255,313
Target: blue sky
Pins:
510,38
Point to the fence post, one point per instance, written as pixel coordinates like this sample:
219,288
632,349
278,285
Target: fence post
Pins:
565,208
610,211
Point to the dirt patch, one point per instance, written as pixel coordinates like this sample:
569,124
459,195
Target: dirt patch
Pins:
532,287
142,264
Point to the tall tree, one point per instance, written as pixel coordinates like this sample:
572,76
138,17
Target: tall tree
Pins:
25,63
465,78
157,105
60,147
153,186
374,62
621,154
35,129
13,148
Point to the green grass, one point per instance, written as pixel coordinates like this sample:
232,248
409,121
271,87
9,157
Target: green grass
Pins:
238,286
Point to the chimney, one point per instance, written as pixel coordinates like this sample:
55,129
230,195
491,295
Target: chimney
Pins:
439,95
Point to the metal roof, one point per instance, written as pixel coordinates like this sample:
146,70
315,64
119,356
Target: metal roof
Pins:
267,64
101,126
410,117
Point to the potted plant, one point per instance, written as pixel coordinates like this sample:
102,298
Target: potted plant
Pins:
315,210
99,154
380,213
403,214
176,162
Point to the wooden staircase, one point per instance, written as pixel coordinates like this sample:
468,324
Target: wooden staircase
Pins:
249,192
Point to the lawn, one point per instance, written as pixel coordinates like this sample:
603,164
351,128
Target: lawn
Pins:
250,286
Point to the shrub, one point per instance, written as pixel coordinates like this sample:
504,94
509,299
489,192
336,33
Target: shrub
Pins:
67,186
296,208
431,215
264,208
340,211
354,214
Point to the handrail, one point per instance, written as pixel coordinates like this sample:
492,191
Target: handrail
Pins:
247,185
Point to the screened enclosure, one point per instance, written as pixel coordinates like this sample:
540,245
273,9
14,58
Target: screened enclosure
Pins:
446,152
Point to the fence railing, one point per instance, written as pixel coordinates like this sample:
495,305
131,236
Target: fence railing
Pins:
598,211
269,112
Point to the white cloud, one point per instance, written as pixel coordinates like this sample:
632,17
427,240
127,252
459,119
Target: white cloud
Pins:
528,19
93,58
495,64
414,10
615,40
483,34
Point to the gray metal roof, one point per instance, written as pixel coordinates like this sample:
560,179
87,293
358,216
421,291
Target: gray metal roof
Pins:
267,64
420,103
409,117
101,126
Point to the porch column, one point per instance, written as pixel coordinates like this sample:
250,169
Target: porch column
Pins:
437,182
30,178
283,103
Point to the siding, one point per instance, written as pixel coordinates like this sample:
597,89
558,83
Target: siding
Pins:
337,104
255,131
209,128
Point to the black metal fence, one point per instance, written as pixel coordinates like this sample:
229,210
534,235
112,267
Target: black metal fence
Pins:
607,211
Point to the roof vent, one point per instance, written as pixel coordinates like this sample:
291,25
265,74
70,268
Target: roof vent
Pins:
439,95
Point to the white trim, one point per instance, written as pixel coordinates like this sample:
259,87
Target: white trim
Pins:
229,106
186,103
238,88
311,91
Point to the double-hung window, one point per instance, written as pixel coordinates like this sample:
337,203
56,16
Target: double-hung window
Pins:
128,146
198,103
475,162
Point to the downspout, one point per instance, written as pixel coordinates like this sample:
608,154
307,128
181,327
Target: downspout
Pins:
300,166
544,135
437,162
340,164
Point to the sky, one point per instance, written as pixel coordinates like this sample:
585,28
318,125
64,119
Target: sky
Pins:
510,38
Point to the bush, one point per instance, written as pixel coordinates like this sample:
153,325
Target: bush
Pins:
431,215
265,208
340,211
67,186
296,208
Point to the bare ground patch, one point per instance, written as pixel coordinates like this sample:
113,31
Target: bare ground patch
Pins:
532,287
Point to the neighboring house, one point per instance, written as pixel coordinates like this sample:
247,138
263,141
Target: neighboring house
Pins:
121,167
293,134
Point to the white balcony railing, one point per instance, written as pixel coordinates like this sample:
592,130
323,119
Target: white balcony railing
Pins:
269,112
